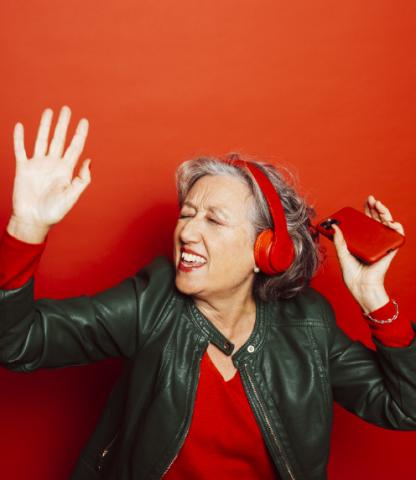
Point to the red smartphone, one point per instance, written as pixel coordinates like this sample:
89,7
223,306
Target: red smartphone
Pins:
367,239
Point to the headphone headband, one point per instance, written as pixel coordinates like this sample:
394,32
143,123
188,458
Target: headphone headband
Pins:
269,192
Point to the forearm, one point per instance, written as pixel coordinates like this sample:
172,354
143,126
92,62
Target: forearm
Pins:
18,260
392,330
395,333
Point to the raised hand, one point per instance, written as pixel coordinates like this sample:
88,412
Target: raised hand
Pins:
44,188
366,282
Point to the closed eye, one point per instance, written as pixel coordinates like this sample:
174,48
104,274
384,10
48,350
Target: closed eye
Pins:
212,220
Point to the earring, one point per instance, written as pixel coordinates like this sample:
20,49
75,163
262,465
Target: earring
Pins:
256,269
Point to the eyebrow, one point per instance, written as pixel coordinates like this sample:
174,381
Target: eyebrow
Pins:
211,208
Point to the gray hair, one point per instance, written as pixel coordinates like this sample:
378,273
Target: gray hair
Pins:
308,254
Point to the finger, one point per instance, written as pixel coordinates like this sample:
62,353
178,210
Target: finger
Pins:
371,208
368,205
396,226
77,143
384,212
19,143
340,244
387,259
41,144
80,182
58,142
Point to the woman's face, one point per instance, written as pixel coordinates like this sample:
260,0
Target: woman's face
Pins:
213,239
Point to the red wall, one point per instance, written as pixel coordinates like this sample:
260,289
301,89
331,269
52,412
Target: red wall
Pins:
325,88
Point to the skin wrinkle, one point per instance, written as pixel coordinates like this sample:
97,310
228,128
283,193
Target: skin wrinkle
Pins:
212,208
222,288
308,253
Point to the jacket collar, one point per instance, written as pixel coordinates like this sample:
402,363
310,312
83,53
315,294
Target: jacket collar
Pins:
253,343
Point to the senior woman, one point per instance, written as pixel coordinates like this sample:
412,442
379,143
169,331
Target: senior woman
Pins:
232,360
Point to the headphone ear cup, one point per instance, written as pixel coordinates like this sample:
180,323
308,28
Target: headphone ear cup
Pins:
270,260
262,247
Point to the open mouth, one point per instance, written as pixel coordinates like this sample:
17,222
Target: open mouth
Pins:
190,261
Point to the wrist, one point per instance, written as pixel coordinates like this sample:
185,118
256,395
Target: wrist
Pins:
384,315
27,231
372,299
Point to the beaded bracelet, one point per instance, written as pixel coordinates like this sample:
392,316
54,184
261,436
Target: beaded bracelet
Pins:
389,320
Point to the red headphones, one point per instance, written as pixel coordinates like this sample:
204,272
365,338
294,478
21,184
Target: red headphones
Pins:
273,249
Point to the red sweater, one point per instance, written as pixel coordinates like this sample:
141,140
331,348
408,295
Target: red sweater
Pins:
224,440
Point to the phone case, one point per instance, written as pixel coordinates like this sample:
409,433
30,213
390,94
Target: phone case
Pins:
367,239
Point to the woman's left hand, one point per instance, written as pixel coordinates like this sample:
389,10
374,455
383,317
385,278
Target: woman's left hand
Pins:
366,282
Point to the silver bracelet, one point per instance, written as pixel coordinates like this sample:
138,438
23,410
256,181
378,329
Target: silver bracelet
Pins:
389,320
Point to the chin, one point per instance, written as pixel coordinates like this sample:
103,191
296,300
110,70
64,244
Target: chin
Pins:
182,286
186,287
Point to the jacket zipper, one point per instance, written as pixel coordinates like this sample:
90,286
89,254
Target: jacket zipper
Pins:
268,423
182,441
105,451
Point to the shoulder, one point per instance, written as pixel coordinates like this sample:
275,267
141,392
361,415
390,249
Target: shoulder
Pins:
307,305
156,280
317,301
156,294
158,272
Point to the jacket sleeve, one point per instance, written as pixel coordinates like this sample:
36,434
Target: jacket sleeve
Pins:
379,386
49,333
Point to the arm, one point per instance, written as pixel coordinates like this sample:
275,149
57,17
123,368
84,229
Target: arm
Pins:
378,386
51,333
75,331
48,333
398,333
366,283
18,260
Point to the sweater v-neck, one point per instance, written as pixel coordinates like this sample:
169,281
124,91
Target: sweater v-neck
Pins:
224,440
217,372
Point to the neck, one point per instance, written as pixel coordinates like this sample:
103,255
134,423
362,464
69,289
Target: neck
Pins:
233,315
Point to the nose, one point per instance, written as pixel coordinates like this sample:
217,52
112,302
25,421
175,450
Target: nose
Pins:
190,231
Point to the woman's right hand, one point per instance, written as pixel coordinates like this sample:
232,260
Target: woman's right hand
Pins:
44,190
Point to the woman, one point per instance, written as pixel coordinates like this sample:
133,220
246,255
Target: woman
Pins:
232,360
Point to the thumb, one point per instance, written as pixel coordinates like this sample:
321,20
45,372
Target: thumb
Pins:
340,243
80,182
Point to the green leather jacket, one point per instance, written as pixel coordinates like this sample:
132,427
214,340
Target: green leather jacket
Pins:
295,363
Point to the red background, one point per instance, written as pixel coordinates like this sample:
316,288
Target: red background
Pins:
325,88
